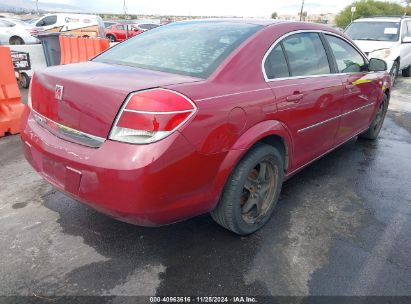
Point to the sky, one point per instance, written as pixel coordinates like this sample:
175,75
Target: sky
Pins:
245,8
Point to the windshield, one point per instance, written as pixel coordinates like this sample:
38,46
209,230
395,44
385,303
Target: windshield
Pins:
188,48
376,31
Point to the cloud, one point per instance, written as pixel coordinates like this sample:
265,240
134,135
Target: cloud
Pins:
255,8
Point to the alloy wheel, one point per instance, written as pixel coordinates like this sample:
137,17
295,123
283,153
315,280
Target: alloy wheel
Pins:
379,118
258,192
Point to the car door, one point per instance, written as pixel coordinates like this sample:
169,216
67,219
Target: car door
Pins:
4,32
405,48
120,32
308,94
361,88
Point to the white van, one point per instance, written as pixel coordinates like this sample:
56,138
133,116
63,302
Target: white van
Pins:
72,24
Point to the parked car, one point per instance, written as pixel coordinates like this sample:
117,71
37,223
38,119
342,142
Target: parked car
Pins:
201,116
387,38
14,31
74,24
145,26
109,23
121,31
118,32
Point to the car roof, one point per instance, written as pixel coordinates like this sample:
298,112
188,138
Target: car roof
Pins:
15,21
263,22
382,19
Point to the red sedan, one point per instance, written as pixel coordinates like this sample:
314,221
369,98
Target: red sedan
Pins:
201,116
118,32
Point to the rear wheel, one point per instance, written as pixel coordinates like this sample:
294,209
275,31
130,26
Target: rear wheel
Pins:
251,192
111,38
15,40
376,125
24,80
406,72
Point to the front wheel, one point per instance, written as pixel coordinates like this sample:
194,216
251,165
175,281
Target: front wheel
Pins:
251,192
406,72
376,125
394,72
24,80
111,38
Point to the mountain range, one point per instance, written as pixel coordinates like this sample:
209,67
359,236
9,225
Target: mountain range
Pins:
16,6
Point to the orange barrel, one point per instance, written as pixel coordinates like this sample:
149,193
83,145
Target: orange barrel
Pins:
11,108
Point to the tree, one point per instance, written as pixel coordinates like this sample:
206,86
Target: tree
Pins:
274,15
366,8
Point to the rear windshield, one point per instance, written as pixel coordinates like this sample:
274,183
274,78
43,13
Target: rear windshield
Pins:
188,48
375,31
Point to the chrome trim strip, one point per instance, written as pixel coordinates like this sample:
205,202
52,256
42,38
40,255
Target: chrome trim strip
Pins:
74,170
233,94
334,118
155,113
308,76
68,133
325,153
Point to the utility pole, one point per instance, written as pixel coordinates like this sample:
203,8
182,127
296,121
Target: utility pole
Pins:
125,17
37,7
301,12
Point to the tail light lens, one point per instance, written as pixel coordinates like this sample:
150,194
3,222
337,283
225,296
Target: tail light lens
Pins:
151,115
29,102
33,32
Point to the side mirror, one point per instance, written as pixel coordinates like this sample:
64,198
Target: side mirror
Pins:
406,39
377,65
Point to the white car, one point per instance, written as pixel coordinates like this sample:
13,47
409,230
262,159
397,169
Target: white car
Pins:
387,38
13,31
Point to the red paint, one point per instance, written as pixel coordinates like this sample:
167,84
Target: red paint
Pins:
121,34
183,174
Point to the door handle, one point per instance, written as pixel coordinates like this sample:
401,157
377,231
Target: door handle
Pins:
296,97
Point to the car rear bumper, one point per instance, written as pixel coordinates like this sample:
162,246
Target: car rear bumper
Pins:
31,40
148,185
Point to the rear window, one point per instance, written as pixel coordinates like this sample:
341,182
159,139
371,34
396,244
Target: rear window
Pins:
188,48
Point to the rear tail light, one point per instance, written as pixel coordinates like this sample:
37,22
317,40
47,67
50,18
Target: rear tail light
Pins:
33,32
29,103
151,115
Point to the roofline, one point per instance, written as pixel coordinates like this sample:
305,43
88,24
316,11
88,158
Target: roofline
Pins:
255,21
387,16
382,17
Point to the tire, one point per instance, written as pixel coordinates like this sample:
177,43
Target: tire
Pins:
111,38
249,198
376,125
406,72
394,72
24,80
15,40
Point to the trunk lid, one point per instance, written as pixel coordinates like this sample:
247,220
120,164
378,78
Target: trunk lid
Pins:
92,93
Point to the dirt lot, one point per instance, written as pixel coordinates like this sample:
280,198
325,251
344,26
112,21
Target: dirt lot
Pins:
342,227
